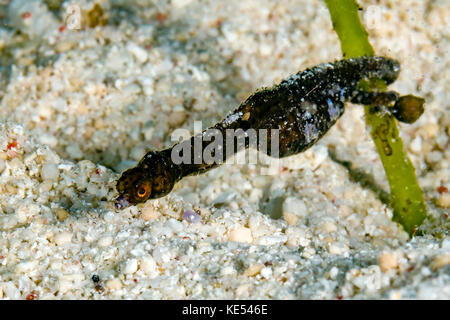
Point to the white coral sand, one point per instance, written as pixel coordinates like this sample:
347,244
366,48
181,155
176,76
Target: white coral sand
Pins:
78,106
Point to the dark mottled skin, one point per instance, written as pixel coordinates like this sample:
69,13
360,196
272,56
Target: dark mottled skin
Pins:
303,107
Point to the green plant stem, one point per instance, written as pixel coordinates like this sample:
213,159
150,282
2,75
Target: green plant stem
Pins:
406,195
